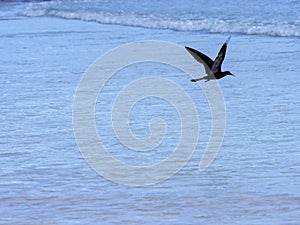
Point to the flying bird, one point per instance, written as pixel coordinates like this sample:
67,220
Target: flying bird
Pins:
212,68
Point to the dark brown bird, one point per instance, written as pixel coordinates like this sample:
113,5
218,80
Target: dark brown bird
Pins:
212,68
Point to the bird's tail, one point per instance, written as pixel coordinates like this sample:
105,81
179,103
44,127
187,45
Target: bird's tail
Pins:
228,39
197,79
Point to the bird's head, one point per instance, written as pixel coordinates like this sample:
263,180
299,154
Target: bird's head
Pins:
228,73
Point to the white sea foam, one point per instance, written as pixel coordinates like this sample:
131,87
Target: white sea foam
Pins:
213,25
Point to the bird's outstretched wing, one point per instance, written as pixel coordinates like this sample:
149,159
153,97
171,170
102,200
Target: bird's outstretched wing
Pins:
201,58
216,67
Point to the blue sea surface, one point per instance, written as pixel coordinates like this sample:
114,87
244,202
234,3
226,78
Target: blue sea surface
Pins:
46,46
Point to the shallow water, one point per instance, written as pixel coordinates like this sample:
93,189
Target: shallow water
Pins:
45,180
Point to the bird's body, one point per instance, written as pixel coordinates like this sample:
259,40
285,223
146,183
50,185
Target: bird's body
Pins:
212,67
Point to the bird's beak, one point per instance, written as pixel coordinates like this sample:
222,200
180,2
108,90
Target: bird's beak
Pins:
232,75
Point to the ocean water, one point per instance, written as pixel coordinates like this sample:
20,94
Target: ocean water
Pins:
46,48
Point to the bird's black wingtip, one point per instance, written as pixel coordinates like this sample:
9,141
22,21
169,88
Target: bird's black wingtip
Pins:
228,39
193,80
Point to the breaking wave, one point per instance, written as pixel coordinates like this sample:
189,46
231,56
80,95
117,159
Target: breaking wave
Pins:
212,25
